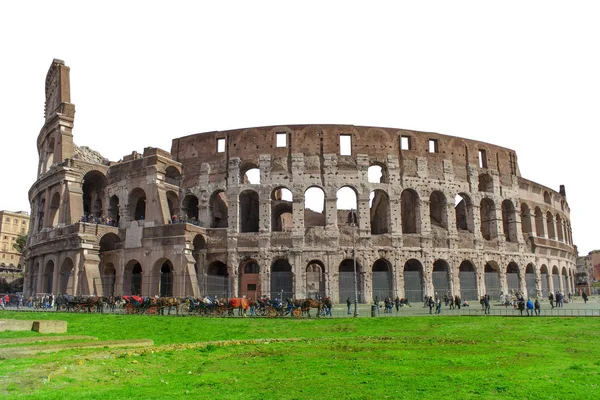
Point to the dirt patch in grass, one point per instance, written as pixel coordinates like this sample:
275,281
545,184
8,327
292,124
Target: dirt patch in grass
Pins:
44,339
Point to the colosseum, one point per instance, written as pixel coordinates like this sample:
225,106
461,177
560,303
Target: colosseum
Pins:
291,211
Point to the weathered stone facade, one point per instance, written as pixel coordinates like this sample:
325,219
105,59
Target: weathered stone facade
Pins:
444,214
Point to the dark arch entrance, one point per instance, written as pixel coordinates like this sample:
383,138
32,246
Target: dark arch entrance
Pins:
492,280
544,277
217,280
512,278
136,279
530,281
441,278
383,285
282,280
468,281
413,281
346,283
249,279
166,279
315,279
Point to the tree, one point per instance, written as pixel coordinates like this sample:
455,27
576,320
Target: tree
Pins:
20,243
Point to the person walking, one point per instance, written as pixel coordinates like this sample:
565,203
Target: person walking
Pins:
537,307
585,297
438,306
551,298
486,304
529,307
377,305
348,303
431,303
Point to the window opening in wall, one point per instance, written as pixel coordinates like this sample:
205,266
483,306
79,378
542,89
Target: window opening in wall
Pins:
281,139
433,146
221,145
405,143
345,145
375,174
482,159
252,176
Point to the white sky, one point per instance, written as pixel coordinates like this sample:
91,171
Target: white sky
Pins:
524,75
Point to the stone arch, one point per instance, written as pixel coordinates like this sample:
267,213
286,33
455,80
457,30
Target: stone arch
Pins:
380,212
559,228
249,211
189,207
163,276
414,284
199,254
249,279
463,209
493,283
67,277
217,280
54,210
530,280
550,225
509,221
468,281
219,209
545,278
547,198
250,174
113,209
563,278
314,207
526,227
137,204
172,175
377,173
513,279
382,279
487,212
41,211
49,150
48,277
93,186
555,279
133,278
486,183
346,280
438,209
441,278
108,279
282,210
315,279
282,279
173,204
110,242
346,198
539,223
410,211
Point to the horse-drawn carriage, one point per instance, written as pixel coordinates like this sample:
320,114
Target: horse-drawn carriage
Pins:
149,305
79,303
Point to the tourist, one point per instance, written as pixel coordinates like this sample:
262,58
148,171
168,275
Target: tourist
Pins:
537,307
438,306
431,303
551,298
486,303
585,297
348,303
377,305
529,307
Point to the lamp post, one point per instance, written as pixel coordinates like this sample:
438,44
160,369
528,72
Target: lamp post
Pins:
353,225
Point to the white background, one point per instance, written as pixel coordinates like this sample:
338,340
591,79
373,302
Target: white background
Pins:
523,75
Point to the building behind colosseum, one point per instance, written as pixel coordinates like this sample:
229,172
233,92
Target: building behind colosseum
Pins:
260,211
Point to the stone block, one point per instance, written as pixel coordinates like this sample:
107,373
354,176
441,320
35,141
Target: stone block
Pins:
15,325
50,326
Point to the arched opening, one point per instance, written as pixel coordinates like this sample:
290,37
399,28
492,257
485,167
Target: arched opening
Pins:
539,222
550,225
93,186
113,210
172,176
509,221
526,227
383,283
49,154
217,280
547,198
48,277
555,279
132,278
173,204
108,279
438,210
377,173
66,279
219,210
249,211
282,280
380,212
441,277
347,200
559,229
468,281
486,184
250,174
249,281
199,254
314,207
493,286
488,218
512,278
463,209
530,281
563,279
413,281
166,279
315,279
282,210
410,211
346,277
110,242
54,208
41,212
137,204
544,277
189,207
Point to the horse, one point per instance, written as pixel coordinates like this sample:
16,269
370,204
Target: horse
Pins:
307,304
168,302
241,304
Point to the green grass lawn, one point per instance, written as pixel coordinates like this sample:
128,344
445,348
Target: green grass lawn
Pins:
420,357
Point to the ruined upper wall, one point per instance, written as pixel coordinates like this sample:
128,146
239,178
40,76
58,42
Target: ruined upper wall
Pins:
317,140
